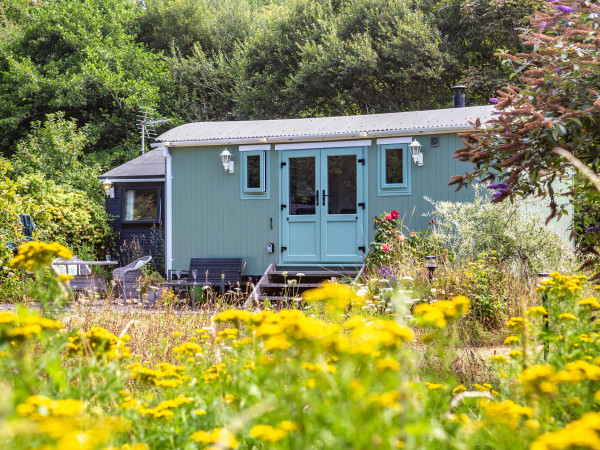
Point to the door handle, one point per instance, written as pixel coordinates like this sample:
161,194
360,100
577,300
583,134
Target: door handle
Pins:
324,195
317,197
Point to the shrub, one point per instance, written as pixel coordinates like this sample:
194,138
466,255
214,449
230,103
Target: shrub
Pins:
518,237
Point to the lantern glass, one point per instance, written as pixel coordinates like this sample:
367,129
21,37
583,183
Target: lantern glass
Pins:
430,261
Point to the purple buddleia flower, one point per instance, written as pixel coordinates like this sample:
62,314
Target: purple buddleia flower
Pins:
502,186
498,194
543,25
592,229
552,1
494,100
565,9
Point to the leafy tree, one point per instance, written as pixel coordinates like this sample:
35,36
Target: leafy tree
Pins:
55,149
80,58
473,30
551,121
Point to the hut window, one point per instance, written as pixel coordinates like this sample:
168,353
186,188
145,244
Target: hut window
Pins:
254,174
394,169
141,205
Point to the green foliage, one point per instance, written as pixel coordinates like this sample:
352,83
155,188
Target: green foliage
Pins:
512,230
77,57
472,32
55,150
65,215
549,118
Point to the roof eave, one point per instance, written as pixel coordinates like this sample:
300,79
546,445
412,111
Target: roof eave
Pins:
320,137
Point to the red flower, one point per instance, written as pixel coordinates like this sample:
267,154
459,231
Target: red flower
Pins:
388,217
394,214
385,248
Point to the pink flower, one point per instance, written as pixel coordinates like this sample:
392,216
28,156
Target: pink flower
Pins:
395,214
388,217
385,248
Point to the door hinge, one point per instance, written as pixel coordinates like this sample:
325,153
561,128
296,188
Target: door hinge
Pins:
362,205
283,165
362,249
283,207
362,161
283,249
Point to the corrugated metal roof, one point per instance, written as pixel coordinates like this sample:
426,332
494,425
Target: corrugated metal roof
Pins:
287,129
148,165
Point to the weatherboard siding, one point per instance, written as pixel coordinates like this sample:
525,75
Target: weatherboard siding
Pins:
210,219
430,180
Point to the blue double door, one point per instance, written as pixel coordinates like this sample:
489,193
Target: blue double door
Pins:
323,205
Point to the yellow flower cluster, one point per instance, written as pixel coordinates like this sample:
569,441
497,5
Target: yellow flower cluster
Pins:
15,329
218,438
281,330
38,407
165,374
561,285
458,389
592,302
229,333
188,349
539,311
214,372
34,255
506,413
269,433
165,409
389,399
67,423
582,433
439,313
516,324
539,378
322,367
100,343
486,387
335,296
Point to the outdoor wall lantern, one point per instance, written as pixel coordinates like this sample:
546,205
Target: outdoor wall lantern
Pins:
431,265
415,151
226,160
109,189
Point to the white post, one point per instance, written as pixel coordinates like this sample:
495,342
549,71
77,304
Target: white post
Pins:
168,210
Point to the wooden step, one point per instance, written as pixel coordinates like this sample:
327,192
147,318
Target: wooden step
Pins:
291,286
313,273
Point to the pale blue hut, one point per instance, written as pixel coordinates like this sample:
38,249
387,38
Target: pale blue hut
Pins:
301,192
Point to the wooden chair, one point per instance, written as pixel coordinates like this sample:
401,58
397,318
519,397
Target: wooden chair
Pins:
83,278
221,272
126,278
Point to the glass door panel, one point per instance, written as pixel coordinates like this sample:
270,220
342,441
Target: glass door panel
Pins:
302,186
341,181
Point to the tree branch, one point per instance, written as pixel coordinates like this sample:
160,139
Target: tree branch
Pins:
580,165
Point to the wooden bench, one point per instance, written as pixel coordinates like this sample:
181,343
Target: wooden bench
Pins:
217,272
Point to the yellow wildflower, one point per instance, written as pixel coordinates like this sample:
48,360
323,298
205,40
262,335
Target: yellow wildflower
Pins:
537,311
458,389
539,378
188,349
567,316
268,433
222,437
387,364
34,255
499,358
433,386
592,302
506,413
512,340
582,433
